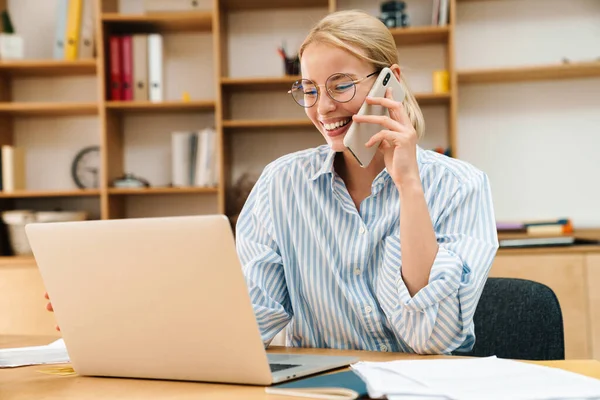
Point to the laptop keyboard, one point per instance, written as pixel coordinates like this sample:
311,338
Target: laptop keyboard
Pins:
281,367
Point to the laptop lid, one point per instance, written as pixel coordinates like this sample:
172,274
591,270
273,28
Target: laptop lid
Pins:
157,298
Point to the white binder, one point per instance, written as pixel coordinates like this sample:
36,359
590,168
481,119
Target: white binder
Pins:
87,32
140,67
60,31
155,67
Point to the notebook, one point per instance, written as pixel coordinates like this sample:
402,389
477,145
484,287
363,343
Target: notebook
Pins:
344,385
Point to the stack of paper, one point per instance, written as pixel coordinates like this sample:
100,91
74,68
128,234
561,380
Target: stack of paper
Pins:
487,378
54,353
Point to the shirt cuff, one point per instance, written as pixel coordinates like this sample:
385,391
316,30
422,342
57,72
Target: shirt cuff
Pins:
447,274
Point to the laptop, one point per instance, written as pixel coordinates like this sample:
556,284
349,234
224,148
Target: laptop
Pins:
159,298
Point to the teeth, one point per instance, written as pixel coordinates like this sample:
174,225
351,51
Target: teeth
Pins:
336,125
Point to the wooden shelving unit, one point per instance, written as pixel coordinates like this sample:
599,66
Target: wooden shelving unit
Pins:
47,68
112,114
239,5
166,106
161,190
175,22
267,124
421,35
50,193
47,109
531,73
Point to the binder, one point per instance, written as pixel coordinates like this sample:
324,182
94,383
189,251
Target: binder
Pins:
60,32
115,67
127,68
140,67
73,28
155,67
180,158
13,168
85,49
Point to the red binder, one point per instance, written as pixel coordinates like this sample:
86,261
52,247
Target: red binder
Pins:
127,70
116,78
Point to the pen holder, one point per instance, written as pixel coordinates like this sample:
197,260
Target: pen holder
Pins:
11,46
292,66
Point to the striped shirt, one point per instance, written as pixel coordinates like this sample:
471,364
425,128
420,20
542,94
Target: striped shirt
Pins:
332,274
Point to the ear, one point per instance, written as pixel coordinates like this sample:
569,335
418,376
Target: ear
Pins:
396,70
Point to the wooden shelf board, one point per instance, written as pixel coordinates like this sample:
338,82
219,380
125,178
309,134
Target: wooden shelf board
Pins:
267,124
48,67
432,98
50,193
48,109
238,5
17,260
282,83
166,106
530,73
172,22
420,35
162,190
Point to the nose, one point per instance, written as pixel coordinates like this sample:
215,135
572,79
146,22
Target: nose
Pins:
325,104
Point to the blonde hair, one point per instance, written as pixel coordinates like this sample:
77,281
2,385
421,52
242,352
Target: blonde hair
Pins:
367,38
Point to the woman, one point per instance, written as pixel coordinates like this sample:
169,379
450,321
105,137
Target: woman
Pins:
392,257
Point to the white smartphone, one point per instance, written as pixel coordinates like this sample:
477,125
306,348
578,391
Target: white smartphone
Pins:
359,134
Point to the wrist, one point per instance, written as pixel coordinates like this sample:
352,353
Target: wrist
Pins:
409,186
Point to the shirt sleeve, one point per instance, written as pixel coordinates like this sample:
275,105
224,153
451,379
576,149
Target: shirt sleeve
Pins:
262,262
439,318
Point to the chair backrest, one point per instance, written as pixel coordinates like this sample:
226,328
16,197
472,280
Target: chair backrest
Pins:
518,319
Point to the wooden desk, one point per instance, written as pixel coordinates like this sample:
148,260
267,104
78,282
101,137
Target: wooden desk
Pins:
28,383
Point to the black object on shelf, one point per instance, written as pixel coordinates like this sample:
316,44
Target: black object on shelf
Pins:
393,14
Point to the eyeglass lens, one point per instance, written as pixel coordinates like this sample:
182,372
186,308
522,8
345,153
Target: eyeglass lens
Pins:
340,87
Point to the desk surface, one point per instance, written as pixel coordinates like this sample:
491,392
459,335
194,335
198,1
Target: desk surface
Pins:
29,383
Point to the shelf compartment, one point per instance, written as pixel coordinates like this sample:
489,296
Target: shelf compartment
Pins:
32,109
166,106
239,5
162,190
50,193
47,68
420,35
268,124
174,22
282,83
530,73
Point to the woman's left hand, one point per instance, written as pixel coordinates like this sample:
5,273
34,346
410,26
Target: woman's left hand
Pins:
398,139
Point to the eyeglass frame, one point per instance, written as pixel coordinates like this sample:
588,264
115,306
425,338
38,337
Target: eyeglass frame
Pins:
355,82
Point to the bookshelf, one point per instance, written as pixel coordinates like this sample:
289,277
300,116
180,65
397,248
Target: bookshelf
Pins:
219,109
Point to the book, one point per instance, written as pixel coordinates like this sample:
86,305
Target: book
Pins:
552,241
344,385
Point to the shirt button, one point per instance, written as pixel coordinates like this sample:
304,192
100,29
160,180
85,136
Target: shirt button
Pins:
357,271
383,348
368,309
362,230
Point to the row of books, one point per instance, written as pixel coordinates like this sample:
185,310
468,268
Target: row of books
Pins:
74,37
560,226
136,67
194,158
12,165
541,233
441,9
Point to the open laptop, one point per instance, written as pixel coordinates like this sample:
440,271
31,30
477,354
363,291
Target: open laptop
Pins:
159,298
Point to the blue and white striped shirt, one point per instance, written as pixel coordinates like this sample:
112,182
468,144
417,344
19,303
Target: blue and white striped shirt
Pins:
312,261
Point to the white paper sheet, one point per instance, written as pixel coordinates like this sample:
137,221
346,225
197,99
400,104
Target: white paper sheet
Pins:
53,353
487,378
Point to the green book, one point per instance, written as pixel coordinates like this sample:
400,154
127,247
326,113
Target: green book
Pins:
344,385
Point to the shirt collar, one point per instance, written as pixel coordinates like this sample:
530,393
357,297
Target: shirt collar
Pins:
326,167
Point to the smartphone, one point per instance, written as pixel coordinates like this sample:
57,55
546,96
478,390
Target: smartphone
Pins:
359,134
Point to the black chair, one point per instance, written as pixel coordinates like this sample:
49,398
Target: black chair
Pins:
518,319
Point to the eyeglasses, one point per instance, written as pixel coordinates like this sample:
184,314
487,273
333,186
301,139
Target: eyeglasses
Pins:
340,87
